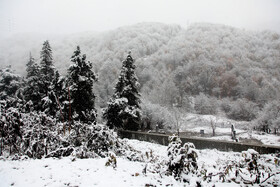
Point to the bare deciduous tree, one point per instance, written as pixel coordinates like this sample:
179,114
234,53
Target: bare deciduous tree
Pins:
213,123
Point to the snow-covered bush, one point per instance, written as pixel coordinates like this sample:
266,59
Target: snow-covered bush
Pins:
251,159
247,170
38,135
243,110
112,160
225,105
11,130
269,117
182,158
11,92
205,105
112,112
249,167
176,156
9,83
94,140
154,114
33,134
89,141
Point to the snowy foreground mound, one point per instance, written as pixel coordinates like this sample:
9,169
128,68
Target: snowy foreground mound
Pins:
70,171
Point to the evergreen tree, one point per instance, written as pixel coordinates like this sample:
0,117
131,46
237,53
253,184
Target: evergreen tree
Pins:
47,67
48,77
47,70
55,94
32,88
126,113
80,85
32,68
60,93
57,87
128,84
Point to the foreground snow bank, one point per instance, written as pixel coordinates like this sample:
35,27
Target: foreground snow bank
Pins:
69,171
82,172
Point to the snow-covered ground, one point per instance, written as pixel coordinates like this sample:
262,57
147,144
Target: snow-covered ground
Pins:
268,139
68,171
194,123
195,120
249,137
82,172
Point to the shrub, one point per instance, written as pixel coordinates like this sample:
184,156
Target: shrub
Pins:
269,117
38,135
205,104
243,110
182,159
154,114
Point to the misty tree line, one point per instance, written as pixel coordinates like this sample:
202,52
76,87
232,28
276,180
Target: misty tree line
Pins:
71,98
216,70
204,69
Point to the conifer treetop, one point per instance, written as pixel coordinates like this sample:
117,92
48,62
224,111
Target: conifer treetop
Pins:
47,67
128,85
32,68
31,60
46,54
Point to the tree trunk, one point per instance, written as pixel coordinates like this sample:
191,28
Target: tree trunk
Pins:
1,146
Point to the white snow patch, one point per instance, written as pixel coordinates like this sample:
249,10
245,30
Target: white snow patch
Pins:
93,172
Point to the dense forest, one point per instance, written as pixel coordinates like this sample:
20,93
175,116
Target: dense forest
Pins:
204,69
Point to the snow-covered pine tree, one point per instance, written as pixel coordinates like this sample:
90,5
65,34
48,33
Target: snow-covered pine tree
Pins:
79,82
32,89
47,67
123,109
57,91
55,95
61,96
32,68
129,87
46,70
47,75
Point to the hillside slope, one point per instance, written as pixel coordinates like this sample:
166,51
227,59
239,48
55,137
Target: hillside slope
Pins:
205,68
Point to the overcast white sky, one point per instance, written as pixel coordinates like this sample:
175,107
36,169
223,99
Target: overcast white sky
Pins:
70,16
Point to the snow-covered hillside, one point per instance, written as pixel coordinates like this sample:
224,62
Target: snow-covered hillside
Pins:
204,68
69,171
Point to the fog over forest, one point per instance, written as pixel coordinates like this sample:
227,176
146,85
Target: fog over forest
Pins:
205,68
